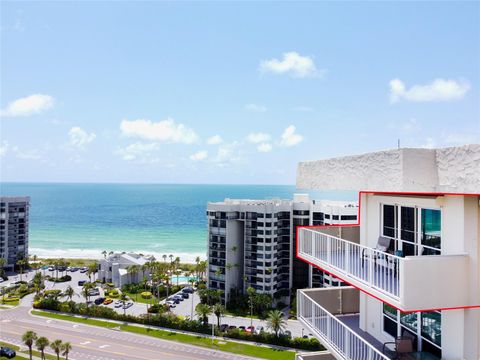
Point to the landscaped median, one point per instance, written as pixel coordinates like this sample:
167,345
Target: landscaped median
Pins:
240,348
22,353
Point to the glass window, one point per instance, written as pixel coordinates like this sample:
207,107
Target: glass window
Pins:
407,229
432,326
409,320
389,220
431,230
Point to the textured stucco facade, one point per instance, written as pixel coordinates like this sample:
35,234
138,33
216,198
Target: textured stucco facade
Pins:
454,169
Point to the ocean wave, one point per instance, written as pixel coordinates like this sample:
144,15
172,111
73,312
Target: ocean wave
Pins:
97,254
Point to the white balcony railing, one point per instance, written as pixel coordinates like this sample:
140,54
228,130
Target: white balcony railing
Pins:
335,335
377,269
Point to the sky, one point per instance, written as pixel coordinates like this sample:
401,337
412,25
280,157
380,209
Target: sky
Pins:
233,92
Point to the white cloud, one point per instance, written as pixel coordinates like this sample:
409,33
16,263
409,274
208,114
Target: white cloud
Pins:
199,155
214,140
29,155
264,147
429,143
79,138
137,150
227,154
165,130
259,137
290,138
292,63
437,90
255,108
411,125
461,139
303,109
30,105
3,148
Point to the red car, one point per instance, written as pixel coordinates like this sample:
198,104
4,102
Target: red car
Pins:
250,329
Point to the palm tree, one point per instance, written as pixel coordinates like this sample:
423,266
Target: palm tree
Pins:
104,252
69,292
57,347
164,256
66,348
3,262
124,298
28,339
171,258
251,300
86,291
276,322
41,344
202,311
21,263
92,269
218,310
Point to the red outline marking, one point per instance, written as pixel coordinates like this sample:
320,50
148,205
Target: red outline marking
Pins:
358,224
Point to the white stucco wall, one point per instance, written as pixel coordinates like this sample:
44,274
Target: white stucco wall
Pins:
455,169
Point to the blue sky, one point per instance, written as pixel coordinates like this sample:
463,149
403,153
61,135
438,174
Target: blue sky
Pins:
229,92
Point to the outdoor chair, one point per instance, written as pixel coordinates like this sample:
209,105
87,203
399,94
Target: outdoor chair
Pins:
383,244
401,347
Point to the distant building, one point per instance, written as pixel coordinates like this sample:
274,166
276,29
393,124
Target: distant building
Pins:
251,243
14,229
114,268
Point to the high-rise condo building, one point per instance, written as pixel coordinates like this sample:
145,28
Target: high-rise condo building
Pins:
413,262
14,229
251,243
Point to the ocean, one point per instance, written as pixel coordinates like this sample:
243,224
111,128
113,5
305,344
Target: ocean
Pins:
82,220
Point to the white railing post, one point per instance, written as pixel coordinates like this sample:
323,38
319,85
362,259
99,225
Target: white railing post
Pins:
314,244
329,249
347,258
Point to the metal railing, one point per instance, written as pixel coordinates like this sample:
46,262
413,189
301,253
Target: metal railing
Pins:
375,268
333,333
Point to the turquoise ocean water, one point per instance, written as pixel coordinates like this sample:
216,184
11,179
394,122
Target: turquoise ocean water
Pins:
82,220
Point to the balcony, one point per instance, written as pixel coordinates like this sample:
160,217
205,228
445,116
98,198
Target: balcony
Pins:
412,283
316,309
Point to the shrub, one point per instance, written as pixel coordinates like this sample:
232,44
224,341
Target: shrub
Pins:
158,308
110,284
146,295
52,293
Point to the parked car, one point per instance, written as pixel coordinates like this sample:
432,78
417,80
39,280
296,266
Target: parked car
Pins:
99,300
83,270
61,268
175,300
170,303
187,290
178,297
288,333
51,268
94,292
7,352
68,268
184,295
82,282
223,327
73,269
128,304
118,304
250,329
232,327
259,330
107,301
241,328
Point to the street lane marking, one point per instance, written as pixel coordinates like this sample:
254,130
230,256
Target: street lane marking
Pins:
49,321
104,346
75,326
85,342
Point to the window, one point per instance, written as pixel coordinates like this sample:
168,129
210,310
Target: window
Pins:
348,217
390,220
268,216
407,229
430,235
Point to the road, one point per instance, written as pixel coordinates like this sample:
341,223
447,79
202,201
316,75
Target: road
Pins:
94,343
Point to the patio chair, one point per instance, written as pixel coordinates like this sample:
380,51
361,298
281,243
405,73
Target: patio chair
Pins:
383,244
401,347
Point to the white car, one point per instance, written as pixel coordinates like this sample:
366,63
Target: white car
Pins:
128,304
259,330
170,303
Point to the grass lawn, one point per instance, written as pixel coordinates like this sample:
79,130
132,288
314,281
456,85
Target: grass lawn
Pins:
24,354
13,303
72,262
228,346
138,298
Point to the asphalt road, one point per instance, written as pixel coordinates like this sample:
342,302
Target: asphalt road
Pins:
94,343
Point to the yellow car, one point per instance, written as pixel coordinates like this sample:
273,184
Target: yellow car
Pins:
107,301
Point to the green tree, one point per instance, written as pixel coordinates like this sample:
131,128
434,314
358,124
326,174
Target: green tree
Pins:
66,348
69,292
28,339
251,302
41,343
21,264
86,292
104,252
124,298
3,262
92,269
202,311
276,322
219,311
56,347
